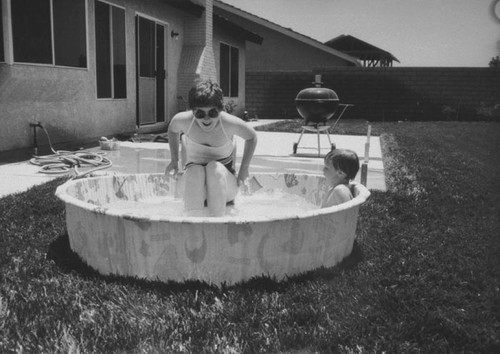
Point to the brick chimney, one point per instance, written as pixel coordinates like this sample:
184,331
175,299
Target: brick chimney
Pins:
197,57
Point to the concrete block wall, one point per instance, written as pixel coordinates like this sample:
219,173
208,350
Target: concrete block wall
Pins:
413,93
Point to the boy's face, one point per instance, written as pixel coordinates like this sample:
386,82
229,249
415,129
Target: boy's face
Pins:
206,117
333,176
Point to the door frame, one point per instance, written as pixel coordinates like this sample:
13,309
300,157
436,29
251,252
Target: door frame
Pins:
166,26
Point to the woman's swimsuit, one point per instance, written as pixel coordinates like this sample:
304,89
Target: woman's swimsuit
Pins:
199,154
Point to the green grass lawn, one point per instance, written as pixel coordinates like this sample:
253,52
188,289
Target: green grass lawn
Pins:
424,276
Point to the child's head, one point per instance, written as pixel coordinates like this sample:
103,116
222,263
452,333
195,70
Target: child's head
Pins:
206,93
345,161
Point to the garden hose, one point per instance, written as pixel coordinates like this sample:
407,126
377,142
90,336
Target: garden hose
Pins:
62,161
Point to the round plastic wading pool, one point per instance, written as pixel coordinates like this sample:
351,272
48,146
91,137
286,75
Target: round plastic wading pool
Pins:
124,225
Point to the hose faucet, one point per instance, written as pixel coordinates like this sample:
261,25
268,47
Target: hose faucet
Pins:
35,141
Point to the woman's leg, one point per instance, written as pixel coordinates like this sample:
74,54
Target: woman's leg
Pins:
194,188
221,188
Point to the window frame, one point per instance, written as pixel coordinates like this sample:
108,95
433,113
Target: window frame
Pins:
2,35
229,71
53,51
111,52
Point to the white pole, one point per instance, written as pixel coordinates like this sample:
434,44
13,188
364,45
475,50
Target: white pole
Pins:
364,166
364,173
367,144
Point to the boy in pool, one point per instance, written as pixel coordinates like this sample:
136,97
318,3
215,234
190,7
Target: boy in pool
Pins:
208,131
341,166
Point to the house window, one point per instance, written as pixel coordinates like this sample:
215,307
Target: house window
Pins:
50,32
229,69
110,51
2,54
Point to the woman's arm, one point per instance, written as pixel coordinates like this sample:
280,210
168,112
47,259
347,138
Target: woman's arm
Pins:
245,131
248,152
174,132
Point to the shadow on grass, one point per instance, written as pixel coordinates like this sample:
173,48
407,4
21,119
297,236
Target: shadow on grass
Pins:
270,284
65,258
60,252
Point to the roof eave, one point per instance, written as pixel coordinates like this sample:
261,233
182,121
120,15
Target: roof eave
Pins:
234,28
375,49
187,6
286,31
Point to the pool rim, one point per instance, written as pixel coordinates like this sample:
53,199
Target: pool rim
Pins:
61,193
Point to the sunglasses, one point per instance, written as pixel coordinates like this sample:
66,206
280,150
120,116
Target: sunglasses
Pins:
200,113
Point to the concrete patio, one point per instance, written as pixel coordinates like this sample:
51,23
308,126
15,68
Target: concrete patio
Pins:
274,153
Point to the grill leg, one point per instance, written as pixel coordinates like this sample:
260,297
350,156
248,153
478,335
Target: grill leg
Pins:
319,145
332,145
300,137
328,136
296,145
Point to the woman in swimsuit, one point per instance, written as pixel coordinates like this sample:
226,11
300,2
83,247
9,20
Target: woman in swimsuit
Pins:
208,131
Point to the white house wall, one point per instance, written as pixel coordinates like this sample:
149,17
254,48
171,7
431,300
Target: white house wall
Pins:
64,99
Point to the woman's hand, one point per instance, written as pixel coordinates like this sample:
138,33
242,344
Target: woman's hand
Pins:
172,166
242,175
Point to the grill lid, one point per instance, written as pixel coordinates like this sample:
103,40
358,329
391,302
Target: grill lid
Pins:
317,93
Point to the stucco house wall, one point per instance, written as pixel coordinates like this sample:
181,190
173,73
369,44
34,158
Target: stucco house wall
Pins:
64,99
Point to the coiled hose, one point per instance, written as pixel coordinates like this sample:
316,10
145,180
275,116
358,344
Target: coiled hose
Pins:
61,161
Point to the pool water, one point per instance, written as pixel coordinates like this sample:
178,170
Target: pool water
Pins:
271,203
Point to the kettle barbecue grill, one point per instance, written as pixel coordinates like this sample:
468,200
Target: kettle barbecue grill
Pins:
317,106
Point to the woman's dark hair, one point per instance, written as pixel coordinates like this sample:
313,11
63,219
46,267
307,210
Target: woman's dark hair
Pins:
344,160
206,93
